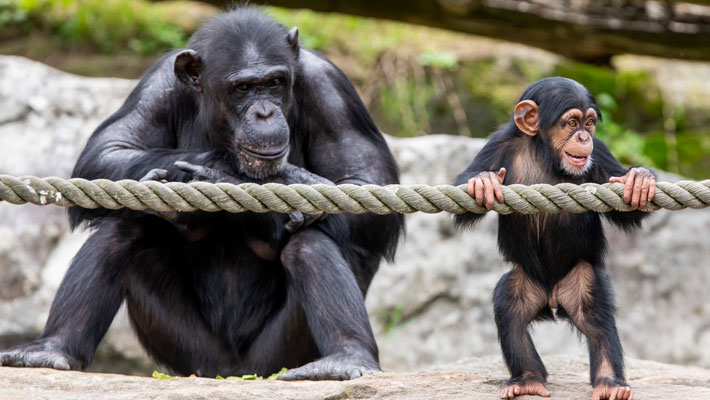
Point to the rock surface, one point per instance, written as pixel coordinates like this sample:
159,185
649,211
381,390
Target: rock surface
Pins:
432,306
474,378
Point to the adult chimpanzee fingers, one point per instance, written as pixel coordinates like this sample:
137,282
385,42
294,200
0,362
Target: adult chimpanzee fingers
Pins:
295,222
478,190
187,167
471,186
309,219
156,174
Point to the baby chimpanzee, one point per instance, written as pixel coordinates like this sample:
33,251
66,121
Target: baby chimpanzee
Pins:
557,259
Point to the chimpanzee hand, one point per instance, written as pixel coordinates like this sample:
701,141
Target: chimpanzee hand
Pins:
205,174
487,183
289,174
640,186
160,175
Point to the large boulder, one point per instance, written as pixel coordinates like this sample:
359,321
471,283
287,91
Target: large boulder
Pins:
432,306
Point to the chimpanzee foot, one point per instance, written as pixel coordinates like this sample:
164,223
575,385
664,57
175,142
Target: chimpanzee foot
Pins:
42,353
612,392
523,387
338,367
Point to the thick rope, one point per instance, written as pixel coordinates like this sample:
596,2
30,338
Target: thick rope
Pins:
564,197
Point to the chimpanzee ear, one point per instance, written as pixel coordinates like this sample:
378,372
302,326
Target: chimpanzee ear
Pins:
525,117
188,68
292,39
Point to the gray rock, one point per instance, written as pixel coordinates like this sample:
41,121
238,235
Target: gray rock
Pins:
432,306
475,378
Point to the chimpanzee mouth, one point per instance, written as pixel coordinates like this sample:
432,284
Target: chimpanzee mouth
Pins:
578,161
265,155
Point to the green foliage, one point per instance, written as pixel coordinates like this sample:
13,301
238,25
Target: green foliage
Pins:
497,85
364,38
404,105
626,144
641,100
160,375
251,377
393,318
110,26
439,59
11,15
414,80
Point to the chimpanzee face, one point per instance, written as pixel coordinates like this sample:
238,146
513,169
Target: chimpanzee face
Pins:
257,101
563,115
246,96
571,138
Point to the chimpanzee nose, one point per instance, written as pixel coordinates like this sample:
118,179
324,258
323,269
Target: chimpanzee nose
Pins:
583,136
264,111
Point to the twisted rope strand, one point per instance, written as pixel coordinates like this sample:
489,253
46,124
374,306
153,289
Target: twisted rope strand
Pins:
564,197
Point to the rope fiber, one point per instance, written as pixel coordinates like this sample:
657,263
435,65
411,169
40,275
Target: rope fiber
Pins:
311,199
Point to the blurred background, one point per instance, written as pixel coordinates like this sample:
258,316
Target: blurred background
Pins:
437,76
418,80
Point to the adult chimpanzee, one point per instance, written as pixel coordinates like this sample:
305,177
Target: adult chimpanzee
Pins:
223,293
557,259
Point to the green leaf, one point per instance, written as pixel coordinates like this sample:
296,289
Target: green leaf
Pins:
160,375
273,376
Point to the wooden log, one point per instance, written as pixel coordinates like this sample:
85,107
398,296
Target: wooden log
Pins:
586,30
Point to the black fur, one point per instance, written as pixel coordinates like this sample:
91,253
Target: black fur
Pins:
199,296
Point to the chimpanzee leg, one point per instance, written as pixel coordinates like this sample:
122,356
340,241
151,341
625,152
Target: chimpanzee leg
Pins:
517,300
161,302
334,307
86,302
586,297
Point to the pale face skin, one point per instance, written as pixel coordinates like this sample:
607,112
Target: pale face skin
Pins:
572,137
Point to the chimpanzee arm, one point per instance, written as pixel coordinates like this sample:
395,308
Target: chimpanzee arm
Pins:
490,158
144,133
141,136
606,166
343,145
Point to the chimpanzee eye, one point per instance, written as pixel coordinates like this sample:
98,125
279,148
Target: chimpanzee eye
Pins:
590,123
276,82
241,86
572,123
